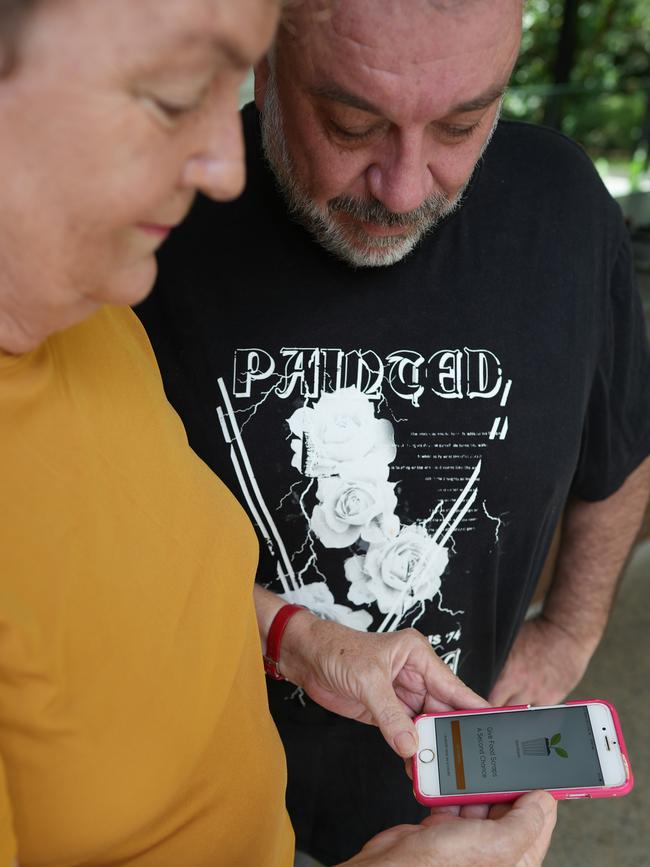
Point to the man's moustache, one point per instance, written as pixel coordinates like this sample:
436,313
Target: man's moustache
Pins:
375,212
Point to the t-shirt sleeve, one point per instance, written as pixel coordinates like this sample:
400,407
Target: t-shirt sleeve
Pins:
7,838
616,433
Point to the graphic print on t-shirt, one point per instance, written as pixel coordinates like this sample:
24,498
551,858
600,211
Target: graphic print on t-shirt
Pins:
348,537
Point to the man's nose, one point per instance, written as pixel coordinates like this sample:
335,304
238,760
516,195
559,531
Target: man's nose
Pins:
216,166
400,178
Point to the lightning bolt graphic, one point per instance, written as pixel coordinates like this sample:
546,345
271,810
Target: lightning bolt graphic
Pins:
251,409
434,512
298,693
444,610
288,494
383,400
309,540
422,609
498,521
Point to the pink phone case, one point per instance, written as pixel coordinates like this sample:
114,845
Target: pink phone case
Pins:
507,797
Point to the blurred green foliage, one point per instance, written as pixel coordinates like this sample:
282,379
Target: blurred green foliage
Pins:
606,103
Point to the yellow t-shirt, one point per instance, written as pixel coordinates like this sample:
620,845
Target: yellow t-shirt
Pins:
134,728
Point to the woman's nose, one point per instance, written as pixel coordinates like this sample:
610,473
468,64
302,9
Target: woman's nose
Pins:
217,168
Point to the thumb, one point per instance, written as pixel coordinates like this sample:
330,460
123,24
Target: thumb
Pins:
390,717
527,827
501,692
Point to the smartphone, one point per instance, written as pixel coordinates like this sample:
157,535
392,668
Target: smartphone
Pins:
573,750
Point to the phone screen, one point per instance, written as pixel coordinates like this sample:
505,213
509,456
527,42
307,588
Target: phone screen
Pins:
550,748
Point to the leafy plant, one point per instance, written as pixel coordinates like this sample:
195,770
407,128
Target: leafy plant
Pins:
555,740
605,103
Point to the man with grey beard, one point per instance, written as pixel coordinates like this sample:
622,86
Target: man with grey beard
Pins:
422,348
350,242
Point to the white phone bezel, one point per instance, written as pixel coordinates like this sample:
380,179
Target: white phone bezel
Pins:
428,775
611,761
612,764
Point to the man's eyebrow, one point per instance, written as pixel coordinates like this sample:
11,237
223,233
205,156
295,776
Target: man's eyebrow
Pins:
335,93
485,99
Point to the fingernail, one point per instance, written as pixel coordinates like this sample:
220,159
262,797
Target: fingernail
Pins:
405,743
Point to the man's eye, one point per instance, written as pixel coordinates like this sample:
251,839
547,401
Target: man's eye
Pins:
350,134
460,132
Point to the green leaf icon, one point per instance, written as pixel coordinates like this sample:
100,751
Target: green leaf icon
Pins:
561,752
556,739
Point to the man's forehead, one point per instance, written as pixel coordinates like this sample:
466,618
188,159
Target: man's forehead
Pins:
406,57
418,30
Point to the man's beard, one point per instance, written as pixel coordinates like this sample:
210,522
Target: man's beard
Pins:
350,243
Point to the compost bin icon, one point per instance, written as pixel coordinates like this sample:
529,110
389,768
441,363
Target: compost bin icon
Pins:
544,746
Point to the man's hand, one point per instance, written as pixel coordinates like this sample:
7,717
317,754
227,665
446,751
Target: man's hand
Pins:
512,835
544,665
384,679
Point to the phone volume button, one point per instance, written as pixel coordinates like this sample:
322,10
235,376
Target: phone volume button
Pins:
580,795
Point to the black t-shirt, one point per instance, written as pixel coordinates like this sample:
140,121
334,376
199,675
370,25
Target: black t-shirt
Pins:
405,438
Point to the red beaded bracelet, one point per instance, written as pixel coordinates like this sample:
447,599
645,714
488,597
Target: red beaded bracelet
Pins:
274,639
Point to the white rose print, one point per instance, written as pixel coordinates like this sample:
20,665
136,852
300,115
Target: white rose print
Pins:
341,435
399,573
319,599
343,445
350,510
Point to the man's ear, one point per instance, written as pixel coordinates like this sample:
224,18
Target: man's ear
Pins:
262,72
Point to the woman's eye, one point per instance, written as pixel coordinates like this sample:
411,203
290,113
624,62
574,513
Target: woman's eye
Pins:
171,110
175,110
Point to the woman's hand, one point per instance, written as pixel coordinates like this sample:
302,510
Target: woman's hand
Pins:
510,835
380,678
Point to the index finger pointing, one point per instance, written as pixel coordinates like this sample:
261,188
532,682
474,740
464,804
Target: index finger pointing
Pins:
446,691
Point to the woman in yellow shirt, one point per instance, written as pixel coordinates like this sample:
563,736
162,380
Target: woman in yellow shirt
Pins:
133,719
